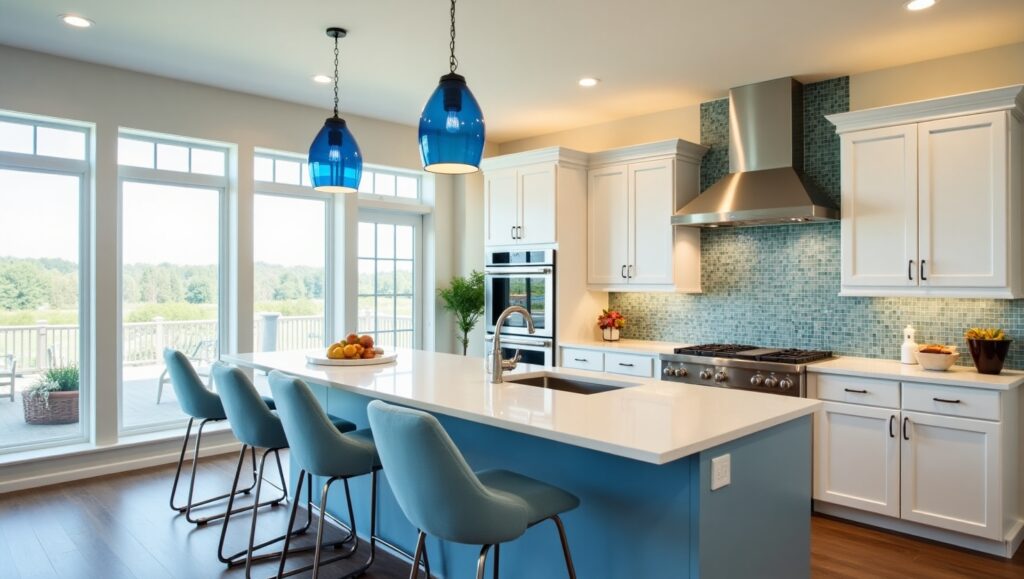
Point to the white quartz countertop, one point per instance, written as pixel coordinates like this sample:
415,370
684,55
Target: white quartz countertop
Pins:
652,421
625,346
965,376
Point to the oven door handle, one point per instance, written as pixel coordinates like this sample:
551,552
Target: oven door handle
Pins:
511,271
517,341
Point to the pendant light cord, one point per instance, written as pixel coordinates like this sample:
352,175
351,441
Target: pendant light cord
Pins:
336,76
453,63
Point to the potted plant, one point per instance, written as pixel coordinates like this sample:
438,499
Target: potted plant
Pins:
54,398
610,322
464,297
989,347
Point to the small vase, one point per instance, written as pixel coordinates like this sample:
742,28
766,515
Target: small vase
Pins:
989,355
610,334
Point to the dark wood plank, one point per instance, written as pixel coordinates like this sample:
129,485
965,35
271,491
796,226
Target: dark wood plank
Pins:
120,526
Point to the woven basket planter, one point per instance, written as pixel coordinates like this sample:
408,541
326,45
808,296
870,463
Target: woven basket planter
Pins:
62,408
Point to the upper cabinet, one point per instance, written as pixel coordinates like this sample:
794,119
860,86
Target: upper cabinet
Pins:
521,195
931,197
631,196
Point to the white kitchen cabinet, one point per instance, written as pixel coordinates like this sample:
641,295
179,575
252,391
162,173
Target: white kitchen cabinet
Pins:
857,457
932,201
951,475
519,205
610,359
631,196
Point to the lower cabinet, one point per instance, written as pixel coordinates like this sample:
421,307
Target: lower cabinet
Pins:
628,364
939,470
857,457
951,475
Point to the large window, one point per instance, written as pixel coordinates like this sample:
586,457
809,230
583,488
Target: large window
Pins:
172,196
389,183
43,176
290,280
389,278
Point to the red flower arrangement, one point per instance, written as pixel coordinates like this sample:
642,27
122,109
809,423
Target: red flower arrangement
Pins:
611,319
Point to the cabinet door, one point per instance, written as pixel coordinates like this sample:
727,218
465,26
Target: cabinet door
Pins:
607,226
537,204
879,207
857,457
951,476
963,201
500,207
650,202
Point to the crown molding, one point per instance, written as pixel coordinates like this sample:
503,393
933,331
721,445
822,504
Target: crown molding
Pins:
560,155
1008,98
648,151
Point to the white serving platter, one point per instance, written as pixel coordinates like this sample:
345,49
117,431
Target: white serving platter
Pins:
322,360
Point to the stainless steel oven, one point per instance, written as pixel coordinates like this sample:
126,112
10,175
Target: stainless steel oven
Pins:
539,351
521,278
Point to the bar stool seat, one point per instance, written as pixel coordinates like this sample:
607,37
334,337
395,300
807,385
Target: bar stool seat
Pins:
541,500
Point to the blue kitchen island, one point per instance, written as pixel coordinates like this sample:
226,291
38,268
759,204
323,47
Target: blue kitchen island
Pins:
638,457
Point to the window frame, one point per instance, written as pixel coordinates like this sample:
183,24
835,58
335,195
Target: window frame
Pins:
275,189
83,170
221,184
394,217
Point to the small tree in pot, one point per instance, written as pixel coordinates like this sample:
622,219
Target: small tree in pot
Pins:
54,398
464,297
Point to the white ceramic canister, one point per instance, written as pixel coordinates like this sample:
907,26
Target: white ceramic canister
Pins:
908,351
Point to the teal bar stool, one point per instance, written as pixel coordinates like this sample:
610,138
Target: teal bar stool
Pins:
321,450
443,497
198,403
256,426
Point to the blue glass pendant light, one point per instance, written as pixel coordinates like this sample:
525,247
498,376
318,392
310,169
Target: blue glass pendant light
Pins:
335,162
452,124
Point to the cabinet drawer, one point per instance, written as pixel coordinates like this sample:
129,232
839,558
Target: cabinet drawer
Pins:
629,364
951,400
582,359
853,390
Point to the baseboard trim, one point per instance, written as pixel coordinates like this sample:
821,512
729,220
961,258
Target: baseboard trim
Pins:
62,469
1005,548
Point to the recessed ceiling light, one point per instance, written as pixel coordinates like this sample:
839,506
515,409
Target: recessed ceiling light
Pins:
915,5
588,81
322,79
76,21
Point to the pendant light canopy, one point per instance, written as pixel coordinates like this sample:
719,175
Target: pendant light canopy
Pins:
335,161
452,124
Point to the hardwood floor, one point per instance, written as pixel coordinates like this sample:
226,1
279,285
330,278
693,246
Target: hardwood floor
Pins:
120,526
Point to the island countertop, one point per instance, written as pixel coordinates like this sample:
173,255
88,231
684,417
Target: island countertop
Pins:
651,421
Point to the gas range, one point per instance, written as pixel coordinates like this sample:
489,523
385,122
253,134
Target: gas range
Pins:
743,367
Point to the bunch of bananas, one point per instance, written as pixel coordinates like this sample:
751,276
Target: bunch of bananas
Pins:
985,334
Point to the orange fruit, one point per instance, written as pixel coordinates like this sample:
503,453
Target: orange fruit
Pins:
352,339
366,341
350,351
369,354
335,352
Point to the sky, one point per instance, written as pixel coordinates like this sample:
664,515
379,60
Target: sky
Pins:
162,223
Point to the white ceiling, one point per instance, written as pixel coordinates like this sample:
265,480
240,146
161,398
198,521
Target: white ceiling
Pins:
522,58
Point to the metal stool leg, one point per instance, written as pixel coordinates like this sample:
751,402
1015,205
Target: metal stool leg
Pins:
497,555
257,477
565,547
181,460
481,563
420,548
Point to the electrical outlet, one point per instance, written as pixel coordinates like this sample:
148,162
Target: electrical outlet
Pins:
721,467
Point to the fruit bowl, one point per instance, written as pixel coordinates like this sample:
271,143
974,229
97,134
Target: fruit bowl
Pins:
320,359
354,350
938,361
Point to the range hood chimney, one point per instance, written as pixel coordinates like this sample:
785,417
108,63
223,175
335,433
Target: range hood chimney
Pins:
765,184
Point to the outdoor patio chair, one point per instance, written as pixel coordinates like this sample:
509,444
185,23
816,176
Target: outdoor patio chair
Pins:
8,371
202,357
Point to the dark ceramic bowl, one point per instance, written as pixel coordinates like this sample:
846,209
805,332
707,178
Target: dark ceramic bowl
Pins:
989,355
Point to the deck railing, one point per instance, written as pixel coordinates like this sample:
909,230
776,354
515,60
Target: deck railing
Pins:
42,346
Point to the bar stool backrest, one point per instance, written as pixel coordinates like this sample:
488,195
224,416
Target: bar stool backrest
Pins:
195,400
437,490
251,420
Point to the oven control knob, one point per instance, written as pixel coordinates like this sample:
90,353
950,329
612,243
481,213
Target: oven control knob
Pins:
756,380
771,381
720,376
668,371
681,372
785,383
705,374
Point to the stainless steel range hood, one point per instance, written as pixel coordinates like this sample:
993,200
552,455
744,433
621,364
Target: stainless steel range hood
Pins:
765,185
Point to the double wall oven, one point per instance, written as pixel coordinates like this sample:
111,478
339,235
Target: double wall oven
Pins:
525,278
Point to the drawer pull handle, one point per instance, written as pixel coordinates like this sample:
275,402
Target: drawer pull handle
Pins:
946,400
892,419
625,364
580,359
855,391
905,421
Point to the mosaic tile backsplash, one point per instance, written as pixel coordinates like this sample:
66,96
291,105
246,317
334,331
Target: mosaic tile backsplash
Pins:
778,286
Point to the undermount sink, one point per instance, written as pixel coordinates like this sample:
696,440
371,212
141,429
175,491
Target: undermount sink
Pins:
567,383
